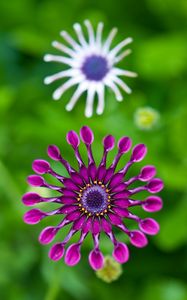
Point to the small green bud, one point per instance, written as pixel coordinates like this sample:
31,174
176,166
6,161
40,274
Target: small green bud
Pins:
146,118
111,270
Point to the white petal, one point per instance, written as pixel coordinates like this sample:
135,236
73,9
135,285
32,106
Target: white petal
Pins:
122,84
58,93
63,48
79,91
101,99
58,58
62,74
70,40
117,71
109,40
115,89
90,101
99,34
122,56
116,49
90,32
78,29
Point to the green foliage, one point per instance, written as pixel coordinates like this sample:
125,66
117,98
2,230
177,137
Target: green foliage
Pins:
30,120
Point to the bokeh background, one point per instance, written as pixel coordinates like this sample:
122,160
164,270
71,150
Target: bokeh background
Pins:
30,120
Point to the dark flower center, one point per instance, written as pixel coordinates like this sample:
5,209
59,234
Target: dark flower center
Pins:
95,67
95,199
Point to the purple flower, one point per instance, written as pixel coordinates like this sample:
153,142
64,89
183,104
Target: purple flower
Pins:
95,199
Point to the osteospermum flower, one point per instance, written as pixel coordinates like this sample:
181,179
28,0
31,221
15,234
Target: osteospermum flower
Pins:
95,199
91,66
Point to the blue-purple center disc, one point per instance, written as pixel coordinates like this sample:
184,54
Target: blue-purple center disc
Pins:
95,67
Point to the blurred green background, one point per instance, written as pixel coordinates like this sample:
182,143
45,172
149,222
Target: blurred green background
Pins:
30,120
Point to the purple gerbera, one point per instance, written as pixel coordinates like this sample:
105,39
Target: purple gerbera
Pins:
95,199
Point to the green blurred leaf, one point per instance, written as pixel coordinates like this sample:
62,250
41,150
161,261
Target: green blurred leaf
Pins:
173,226
162,57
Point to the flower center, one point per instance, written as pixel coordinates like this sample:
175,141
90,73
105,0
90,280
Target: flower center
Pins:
94,200
95,67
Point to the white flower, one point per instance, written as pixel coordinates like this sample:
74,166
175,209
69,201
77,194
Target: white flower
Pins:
91,66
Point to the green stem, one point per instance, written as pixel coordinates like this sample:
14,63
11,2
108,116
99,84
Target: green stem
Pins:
53,290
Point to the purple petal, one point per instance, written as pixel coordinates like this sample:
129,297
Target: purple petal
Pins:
87,225
116,180
69,193
152,204
123,203
73,255
121,253
138,153
41,166
95,226
66,209
109,174
35,180
84,173
92,171
68,200
147,173
96,259
33,216
73,139
138,239
56,252
30,199
149,226
73,216
78,224
69,184
124,144
116,220
155,185
101,172
122,195
121,212
106,226
77,178
119,188
108,142
47,235
54,152
86,135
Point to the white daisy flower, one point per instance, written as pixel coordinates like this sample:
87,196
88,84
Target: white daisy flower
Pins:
92,66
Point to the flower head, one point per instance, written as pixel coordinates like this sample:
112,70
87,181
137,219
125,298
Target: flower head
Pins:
146,117
95,199
111,270
91,66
